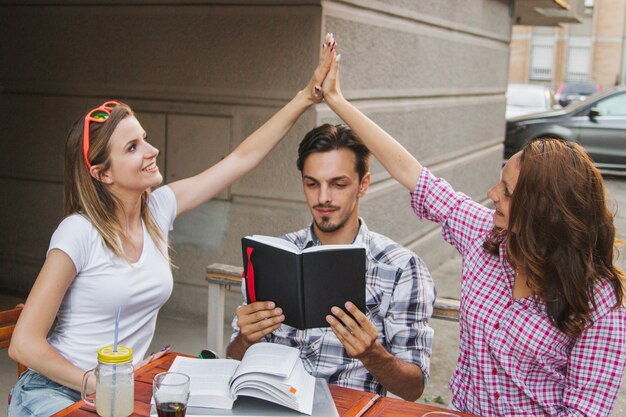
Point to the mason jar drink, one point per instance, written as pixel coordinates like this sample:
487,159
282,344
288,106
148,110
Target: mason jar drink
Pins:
115,383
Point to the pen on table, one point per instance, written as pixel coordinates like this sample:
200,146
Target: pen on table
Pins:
367,406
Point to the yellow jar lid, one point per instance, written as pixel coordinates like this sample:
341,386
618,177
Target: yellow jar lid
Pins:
123,354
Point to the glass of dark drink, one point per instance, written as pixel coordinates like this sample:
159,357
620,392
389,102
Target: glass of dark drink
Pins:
171,393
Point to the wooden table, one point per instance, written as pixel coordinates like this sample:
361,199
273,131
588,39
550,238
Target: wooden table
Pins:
348,401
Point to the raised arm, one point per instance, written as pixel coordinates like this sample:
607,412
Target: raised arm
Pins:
394,157
194,191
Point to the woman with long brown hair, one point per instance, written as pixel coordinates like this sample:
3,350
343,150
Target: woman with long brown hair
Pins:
110,251
542,324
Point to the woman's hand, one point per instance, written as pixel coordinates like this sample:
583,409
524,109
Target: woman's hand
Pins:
197,190
330,86
154,356
394,157
313,90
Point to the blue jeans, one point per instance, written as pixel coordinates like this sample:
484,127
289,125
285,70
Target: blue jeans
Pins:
36,395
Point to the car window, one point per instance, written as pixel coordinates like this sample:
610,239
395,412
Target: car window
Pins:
612,106
581,89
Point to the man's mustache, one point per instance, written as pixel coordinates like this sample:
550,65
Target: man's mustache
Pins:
325,207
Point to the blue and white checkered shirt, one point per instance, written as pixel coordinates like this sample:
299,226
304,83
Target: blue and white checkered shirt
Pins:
399,300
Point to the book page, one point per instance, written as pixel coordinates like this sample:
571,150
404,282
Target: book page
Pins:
276,242
247,406
269,358
320,248
209,380
305,384
295,390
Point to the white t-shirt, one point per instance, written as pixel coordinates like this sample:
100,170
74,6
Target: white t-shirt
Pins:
86,317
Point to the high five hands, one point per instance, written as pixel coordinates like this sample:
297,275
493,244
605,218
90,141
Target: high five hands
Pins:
329,54
257,320
330,86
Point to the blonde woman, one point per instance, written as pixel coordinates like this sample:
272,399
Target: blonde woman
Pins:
111,249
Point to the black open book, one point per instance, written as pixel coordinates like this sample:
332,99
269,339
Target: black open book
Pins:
304,283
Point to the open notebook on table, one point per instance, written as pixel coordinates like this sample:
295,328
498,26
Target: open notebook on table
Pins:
270,373
323,406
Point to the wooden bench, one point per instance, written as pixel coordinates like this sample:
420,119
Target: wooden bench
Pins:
221,277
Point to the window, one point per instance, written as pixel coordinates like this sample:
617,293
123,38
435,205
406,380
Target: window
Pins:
542,58
613,106
578,59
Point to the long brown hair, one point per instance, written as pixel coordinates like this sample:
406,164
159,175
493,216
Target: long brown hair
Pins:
90,197
561,234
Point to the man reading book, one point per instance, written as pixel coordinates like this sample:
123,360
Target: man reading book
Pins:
385,348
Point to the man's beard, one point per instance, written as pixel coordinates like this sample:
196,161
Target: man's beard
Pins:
326,226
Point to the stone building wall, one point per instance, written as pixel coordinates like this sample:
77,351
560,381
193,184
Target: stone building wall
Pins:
202,75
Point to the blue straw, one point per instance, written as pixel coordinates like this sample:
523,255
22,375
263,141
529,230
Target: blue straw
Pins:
117,326
114,377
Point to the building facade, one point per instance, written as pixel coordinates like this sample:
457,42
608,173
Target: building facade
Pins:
590,51
203,74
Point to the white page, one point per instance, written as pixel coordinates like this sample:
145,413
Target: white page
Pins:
323,406
301,378
265,393
209,380
276,242
273,383
295,389
270,358
320,248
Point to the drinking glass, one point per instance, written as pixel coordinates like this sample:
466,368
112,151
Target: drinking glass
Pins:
171,393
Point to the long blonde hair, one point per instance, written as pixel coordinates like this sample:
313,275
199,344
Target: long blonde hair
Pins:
87,196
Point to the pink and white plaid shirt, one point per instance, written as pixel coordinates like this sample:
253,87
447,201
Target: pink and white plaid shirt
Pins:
512,360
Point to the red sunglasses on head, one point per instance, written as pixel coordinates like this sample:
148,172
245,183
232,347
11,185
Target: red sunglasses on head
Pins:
97,115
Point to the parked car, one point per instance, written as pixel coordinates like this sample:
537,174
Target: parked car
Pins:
598,124
528,98
570,92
